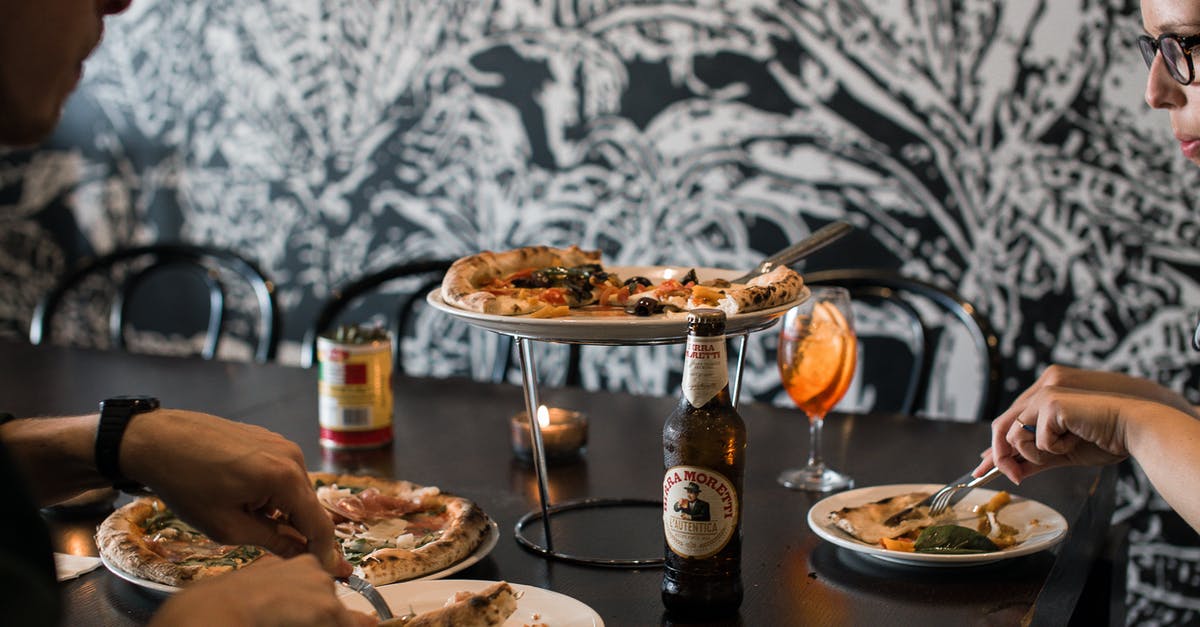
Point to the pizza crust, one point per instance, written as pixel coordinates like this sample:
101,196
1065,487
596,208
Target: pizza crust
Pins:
466,276
777,287
486,608
121,538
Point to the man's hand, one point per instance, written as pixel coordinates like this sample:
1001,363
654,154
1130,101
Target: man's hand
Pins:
271,592
237,483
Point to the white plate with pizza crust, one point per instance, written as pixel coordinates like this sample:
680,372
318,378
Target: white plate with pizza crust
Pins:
535,605
480,552
615,326
1042,527
145,584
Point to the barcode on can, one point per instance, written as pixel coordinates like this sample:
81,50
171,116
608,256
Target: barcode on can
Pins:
356,416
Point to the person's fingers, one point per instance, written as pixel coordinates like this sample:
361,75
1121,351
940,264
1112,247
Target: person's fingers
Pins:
314,524
985,463
1000,447
306,515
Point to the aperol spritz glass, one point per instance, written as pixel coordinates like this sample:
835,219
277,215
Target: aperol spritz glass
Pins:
817,355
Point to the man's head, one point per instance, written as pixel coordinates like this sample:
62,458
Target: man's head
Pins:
693,490
42,47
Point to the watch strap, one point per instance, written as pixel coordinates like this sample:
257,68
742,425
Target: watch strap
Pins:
114,418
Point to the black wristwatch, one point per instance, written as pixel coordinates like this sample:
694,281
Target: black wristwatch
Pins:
115,414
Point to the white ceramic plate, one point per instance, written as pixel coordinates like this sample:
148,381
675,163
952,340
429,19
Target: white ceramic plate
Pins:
153,586
489,543
1050,527
620,328
536,605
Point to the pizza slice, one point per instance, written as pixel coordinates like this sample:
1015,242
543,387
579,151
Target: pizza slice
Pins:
866,522
490,282
486,608
146,539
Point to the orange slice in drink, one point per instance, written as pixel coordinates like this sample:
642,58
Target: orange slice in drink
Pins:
823,362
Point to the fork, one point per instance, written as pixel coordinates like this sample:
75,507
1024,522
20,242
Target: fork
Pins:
955,492
948,495
819,239
364,587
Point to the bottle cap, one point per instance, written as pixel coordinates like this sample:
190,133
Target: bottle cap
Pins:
706,322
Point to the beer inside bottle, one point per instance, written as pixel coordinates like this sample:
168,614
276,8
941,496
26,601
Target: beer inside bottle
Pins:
704,455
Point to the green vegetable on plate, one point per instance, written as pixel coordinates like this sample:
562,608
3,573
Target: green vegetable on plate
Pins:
952,539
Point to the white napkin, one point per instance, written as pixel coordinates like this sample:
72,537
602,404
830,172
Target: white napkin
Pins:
72,566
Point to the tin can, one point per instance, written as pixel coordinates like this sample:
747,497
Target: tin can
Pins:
355,389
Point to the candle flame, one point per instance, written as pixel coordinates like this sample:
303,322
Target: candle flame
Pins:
543,415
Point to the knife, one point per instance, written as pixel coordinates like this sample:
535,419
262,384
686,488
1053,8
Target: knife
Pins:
819,239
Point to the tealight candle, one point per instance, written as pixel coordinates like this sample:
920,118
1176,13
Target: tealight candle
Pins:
564,433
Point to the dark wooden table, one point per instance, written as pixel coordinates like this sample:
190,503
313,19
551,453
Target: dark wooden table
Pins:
454,434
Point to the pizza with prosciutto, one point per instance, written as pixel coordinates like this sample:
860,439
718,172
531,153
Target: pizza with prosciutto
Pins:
396,530
390,530
545,282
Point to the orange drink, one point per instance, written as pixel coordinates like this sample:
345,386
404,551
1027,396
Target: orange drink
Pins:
817,360
817,357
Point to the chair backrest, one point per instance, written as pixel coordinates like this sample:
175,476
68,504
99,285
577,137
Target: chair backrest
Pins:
343,297
923,309
130,269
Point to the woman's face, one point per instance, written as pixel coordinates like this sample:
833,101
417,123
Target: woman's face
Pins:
1181,102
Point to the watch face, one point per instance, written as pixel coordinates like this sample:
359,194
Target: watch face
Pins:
137,403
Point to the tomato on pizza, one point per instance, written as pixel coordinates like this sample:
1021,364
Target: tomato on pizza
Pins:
390,530
541,281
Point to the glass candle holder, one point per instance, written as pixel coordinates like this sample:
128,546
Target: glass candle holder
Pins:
564,433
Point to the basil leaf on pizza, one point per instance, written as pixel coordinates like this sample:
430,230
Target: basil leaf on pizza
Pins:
541,281
391,530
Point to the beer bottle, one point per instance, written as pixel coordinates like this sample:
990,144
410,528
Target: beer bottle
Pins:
704,453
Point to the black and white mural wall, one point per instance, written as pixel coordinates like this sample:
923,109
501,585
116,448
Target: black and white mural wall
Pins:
999,148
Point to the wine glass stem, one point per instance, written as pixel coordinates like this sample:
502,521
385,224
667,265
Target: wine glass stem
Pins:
816,465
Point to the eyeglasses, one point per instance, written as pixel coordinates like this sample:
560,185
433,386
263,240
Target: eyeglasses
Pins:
1176,51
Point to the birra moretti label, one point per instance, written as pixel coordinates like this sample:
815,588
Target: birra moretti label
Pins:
700,511
704,371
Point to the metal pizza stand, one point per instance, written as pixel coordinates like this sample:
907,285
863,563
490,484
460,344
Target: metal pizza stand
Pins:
603,331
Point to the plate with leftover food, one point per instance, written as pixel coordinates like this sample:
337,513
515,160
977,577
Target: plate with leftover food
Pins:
987,526
533,605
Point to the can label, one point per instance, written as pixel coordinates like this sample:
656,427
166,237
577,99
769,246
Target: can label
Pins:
704,371
355,393
700,511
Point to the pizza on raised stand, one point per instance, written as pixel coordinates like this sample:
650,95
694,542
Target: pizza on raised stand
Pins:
545,282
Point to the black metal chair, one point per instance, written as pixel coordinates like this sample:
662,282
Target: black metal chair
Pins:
343,297
904,298
129,270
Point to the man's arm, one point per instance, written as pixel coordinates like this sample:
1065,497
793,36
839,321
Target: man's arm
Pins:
236,482
56,454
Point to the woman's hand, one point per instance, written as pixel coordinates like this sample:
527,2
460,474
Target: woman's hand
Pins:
270,593
1069,427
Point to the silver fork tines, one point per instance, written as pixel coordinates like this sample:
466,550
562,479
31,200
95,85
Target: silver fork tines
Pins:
364,587
953,493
